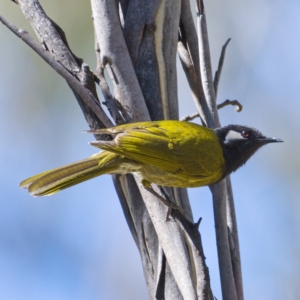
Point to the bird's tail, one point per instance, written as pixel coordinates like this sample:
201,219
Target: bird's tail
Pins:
55,180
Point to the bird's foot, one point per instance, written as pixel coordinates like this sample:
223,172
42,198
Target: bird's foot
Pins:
171,206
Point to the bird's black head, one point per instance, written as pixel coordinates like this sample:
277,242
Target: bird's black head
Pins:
239,143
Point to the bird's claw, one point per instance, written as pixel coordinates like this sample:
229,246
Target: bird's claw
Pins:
171,207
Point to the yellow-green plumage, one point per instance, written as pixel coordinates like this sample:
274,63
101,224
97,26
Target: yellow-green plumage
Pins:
168,153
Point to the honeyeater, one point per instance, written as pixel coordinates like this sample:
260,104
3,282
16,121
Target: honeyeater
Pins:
168,153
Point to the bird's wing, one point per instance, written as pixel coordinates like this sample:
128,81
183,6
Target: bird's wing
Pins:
173,146
144,143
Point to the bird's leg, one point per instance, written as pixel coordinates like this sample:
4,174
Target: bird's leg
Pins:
147,185
166,197
164,193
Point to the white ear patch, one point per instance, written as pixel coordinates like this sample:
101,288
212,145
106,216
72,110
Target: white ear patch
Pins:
232,136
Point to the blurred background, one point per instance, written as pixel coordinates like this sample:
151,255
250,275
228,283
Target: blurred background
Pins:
61,247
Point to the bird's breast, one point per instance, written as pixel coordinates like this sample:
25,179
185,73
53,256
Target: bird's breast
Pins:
176,179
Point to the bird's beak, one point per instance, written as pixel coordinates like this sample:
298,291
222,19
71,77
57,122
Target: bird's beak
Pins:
267,140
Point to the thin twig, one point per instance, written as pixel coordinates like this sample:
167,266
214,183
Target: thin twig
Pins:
114,107
238,105
87,78
238,108
197,224
110,102
219,190
191,117
220,66
234,237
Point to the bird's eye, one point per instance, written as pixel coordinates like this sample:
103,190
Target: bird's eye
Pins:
245,134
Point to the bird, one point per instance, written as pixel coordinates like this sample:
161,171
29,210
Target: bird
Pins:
167,153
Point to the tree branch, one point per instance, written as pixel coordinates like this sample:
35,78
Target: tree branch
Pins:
205,68
219,106
140,16
110,37
190,118
234,237
53,39
222,193
172,242
194,242
238,105
220,66
50,35
115,108
73,82
188,51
